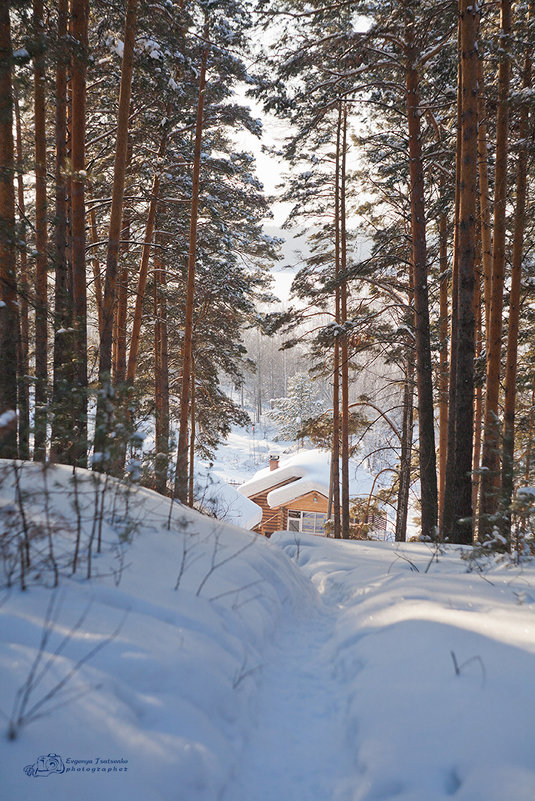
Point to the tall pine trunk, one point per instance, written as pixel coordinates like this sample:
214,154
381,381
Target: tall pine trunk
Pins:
181,476
464,395
161,372
478,395
23,390
426,427
443,367
121,307
79,12
514,302
529,437
112,257
344,345
96,269
484,204
41,236
402,510
447,512
191,476
60,445
143,268
8,284
490,478
334,505
120,316
333,511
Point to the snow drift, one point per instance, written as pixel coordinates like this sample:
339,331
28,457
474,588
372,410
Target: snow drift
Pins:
171,690
202,662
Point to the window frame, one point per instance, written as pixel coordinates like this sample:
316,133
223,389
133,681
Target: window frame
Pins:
300,516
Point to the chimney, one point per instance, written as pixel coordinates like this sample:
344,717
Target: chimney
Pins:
273,462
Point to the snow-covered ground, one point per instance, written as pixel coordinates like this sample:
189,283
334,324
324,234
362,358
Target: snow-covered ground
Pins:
295,669
247,449
215,497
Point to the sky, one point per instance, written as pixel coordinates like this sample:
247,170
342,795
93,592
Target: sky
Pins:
270,171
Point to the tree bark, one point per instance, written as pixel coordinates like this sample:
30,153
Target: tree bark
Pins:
116,216
161,373
96,269
448,501
80,13
464,395
344,348
60,446
191,466
334,494
335,454
120,315
143,268
484,205
426,430
402,510
490,478
478,400
121,308
8,281
41,237
443,367
514,302
527,457
181,476
23,392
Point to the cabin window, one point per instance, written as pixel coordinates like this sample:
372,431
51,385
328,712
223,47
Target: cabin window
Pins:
308,522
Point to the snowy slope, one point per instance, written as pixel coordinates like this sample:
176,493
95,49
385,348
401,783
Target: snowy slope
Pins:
435,671
218,499
295,669
171,692
242,453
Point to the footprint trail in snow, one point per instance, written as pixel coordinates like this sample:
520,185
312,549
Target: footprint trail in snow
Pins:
297,750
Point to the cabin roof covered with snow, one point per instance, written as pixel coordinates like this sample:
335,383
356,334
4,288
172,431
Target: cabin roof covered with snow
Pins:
304,471
225,502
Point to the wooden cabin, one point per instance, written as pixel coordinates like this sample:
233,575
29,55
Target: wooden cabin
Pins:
293,493
293,496
306,513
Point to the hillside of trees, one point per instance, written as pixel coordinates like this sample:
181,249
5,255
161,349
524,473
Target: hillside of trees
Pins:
135,275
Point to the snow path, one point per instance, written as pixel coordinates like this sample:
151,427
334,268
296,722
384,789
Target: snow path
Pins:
297,749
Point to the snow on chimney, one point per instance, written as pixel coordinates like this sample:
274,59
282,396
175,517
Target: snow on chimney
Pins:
273,462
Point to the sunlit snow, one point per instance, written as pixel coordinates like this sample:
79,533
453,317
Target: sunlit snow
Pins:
204,662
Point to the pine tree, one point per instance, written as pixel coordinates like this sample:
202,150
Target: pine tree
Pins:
115,227
41,233
300,404
8,285
187,362
60,446
79,14
518,254
490,478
